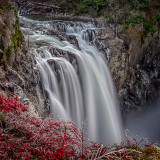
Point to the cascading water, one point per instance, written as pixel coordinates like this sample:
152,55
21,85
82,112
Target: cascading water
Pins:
77,81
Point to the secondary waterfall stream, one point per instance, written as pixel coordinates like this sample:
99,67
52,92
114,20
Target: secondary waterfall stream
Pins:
75,76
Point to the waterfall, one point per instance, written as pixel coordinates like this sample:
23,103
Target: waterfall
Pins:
77,81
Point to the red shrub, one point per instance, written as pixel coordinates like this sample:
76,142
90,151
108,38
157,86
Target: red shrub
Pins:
25,137
12,104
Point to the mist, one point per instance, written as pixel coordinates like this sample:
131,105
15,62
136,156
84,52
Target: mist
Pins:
146,124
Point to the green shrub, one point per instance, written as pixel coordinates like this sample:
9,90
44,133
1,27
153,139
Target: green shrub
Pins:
149,26
14,42
98,4
140,4
111,16
8,52
18,36
1,46
134,20
6,4
156,19
83,6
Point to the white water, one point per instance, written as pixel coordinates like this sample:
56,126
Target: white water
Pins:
80,89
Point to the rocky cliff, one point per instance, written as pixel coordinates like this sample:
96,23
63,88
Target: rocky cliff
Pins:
18,72
134,65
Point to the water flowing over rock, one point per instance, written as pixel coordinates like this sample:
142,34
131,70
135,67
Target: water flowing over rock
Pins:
76,79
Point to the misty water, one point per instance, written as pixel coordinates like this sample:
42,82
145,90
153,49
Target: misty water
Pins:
145,124
75,77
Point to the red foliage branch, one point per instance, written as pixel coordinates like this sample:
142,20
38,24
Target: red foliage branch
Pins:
12,104
25,137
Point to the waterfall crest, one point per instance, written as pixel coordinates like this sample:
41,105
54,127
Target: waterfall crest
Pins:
77,80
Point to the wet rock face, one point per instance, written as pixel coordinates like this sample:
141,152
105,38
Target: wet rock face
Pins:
135,67
24,65
64,37
19,74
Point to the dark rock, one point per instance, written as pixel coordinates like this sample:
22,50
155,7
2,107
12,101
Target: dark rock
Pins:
135,69
64,37
1,55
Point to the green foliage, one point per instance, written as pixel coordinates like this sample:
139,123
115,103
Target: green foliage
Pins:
125,12
111,16
15,37
18,36
2,32
8,52
1,45
150,152
140,4
6,4
14,42
2,118
69,7
134,20
1,11
156,19
98,4
83,6
148,24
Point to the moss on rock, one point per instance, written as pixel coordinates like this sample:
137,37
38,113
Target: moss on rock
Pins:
9,29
